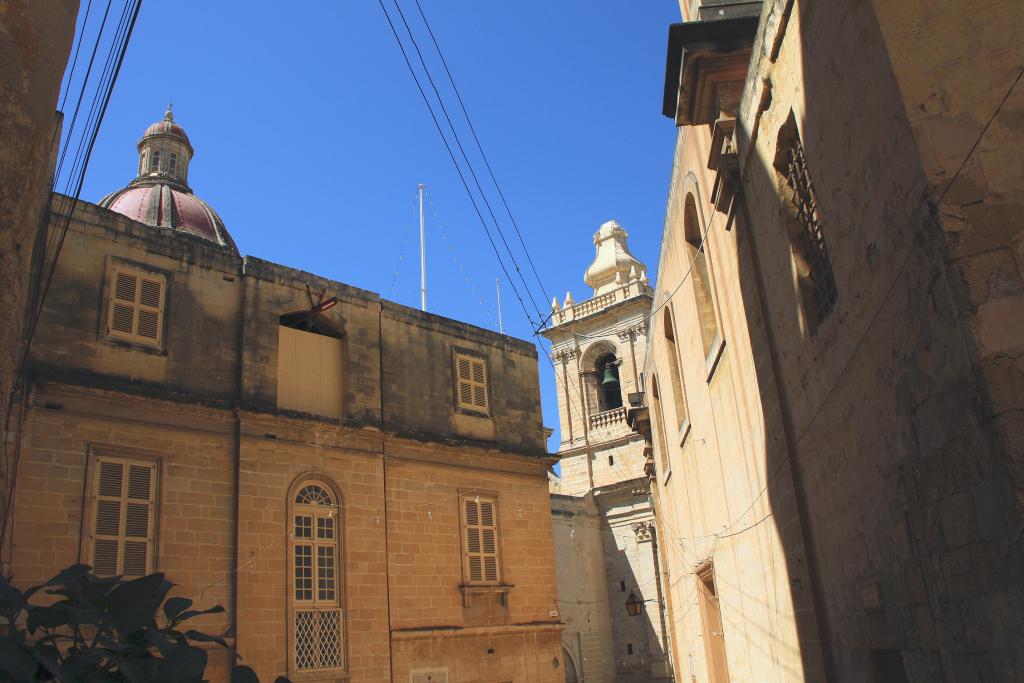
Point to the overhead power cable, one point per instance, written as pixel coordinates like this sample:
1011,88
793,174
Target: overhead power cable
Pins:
466,159
52,234
479,146
458,168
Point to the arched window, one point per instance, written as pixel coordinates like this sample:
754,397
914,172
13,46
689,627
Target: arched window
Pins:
678,396
609,389
658,415
701,280
172,162
154,161
317,619
815,280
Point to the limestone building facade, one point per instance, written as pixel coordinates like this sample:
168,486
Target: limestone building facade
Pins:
606,546
361,485
832,397
35,42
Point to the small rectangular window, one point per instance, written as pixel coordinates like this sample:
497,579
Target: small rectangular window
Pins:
154,161
471,383
172,163
136,305
480,539
122,517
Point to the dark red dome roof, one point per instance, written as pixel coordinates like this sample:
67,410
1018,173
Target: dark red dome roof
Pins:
166,206
165,127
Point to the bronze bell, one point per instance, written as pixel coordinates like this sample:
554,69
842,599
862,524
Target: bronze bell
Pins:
611,377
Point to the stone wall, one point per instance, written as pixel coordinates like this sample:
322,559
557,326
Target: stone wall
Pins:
203,406
906,473
854,478
34,48
35,40
583,598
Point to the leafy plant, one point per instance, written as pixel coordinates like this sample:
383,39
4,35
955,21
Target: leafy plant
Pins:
104,630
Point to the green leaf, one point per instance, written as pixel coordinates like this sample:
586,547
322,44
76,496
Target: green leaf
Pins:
45,617
133,604
69,575
14,660
241,673
175,606
207,638
185,616
185,663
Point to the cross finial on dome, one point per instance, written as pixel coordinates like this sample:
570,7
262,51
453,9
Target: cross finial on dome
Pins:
169,114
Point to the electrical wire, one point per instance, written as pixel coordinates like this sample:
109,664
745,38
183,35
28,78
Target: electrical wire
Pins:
458,168
466,159
479,146
50,242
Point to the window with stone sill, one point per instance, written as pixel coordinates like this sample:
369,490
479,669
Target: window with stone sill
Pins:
472,393
154,161
121,516
317,621
135,305
481,560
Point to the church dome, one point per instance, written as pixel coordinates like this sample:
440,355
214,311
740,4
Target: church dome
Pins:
613,265
160,195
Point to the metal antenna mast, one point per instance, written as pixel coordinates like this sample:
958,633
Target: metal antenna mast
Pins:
497,286
423,257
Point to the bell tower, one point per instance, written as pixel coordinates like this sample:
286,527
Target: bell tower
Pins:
598,351
606,549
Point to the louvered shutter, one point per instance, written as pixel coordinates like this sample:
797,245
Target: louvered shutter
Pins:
150,298
471,378
122,304
123,519
136,306
481,534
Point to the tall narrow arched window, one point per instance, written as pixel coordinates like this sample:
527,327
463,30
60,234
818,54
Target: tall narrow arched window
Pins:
678,393
701,280
816,281
154,161
317,618
659,423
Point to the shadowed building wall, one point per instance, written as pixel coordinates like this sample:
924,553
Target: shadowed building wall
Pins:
850,167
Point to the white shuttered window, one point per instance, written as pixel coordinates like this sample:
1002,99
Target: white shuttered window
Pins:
123,517
136,306
480,540
471,383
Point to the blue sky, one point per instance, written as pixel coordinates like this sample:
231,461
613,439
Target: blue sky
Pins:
311,138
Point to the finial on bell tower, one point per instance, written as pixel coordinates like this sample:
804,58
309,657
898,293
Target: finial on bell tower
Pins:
169,114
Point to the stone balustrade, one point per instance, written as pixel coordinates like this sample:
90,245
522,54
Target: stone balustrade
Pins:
608,418
599,303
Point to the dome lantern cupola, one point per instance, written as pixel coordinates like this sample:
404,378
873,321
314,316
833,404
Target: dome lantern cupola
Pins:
613,265
165,151
160,195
